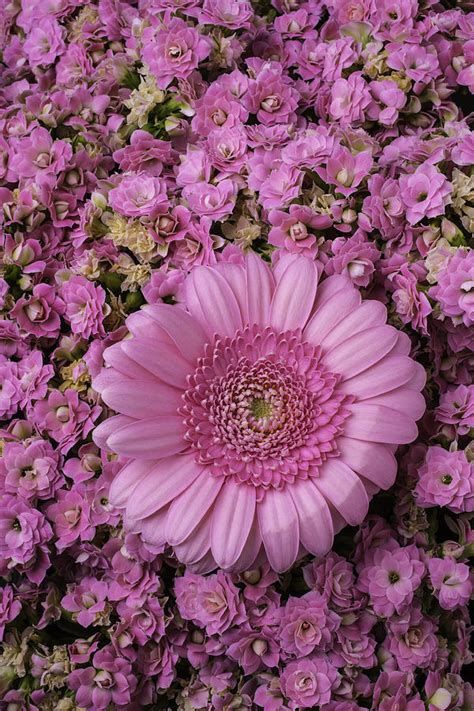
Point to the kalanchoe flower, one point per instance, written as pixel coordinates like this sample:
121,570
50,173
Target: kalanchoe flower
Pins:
85,306
456,407
139,194
455,288
65,417
446,479
392,579
10,607
451,581
212,602
306,625
87,602
239,351
109,681
413,641
308,682
425,193
39,314
30,470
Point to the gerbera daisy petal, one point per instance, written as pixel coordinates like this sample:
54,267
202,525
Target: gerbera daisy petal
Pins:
361,352
330,313
373,461
279,528
369,314
260,288
163,483
153,528
377,423
388,374
140,399
185,331
233,517
151,438
160,359
294,294
127,480
197,544
212,302
315,521
188,509
343,488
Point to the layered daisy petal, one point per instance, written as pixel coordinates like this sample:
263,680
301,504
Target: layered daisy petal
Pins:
181,327
103,431
331,312
369,314
388,374
315,521
371,460
140,399
212,302
198,544
260,287
278,520
188,509
149,439
161,360
361,352
232,520
127,480
294,294
153,528
343,488
163,483
377,423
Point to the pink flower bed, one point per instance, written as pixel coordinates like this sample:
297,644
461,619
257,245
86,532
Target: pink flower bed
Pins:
236,355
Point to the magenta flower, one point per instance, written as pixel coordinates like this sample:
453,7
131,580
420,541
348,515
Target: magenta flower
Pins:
451,581
216,201
264,401
109,681
38,153
446,479
139,194
233,14
309,682
456,407
65,417
174,51
24,534
411,305
349,99
345,170
413,641
391,580
85,306
70,515
253,650
39,314
212,602
9,607
354,256
455,288
87,601
30,469
295,230
44,42
425,193
144,154
306,625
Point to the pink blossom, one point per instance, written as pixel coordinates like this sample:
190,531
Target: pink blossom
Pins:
144,154
30,469
65,417
425,193
24,535
212,602
85,306
10,607
354,256
253,650
451,581
308,682
139,194
39,153
446,479
391,580
44,43
413,641
349,99
109,681
456,407
411,304
455,288
39,314
216,201
174,51
71,517
306,625
346,171
295,230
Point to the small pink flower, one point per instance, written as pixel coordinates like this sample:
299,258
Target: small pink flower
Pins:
216,201
144,154
109,682
425,193
446,479
309,682
306,625
87,600
354,256
451,581
24,534
455,288
65,417
39,314
456,407
44,42
392,579
413,641
411,304
174,51
345,170
139,194
85,306
71,517
9,607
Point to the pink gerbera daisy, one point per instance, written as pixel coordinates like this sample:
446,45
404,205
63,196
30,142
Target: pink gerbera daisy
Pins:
259,416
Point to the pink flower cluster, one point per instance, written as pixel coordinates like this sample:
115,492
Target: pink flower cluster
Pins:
141,140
